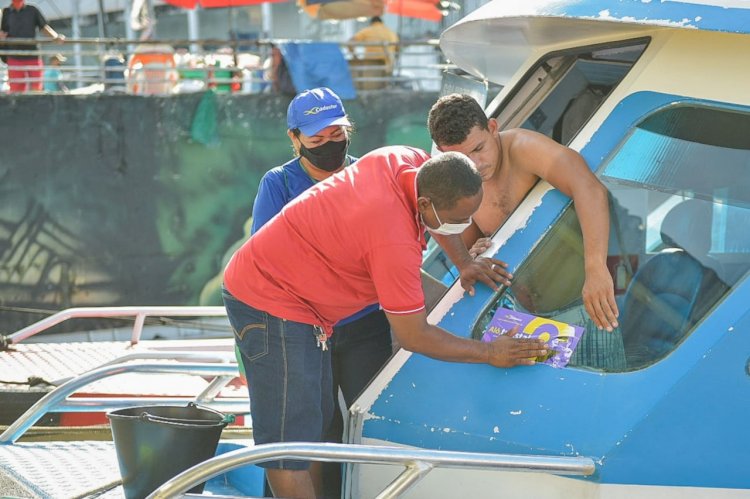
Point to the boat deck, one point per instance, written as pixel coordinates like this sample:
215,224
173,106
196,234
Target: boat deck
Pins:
86,469
30,370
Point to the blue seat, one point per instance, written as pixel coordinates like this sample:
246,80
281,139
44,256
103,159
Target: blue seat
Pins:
673,290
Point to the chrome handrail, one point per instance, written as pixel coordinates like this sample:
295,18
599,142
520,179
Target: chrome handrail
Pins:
175,355
228,357
140,314
418,463
60,394
97,404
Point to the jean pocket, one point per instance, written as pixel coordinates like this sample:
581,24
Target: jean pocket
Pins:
252,340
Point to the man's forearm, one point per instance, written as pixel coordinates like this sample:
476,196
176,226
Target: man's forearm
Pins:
593,214
416,335
439,344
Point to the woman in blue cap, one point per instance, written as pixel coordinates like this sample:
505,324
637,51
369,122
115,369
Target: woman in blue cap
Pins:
320,133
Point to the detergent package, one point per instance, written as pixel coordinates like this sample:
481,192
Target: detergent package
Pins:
560,338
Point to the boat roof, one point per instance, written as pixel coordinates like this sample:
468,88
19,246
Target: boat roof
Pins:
494,40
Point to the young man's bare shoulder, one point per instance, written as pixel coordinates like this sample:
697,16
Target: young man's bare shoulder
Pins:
521,144
522,137
514,139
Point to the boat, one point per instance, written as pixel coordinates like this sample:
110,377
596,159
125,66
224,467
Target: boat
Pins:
653,96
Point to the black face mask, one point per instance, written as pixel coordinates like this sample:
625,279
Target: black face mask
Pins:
328,157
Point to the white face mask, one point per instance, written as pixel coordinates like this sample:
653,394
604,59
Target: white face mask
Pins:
447,229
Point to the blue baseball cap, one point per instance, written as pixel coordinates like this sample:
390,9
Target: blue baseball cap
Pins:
313,110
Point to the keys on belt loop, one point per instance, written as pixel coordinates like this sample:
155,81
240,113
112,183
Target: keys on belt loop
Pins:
322,338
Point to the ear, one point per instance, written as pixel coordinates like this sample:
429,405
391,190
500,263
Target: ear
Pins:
423,204
492,126
295,141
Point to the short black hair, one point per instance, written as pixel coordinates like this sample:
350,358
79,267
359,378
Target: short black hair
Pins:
452,117
448,177
376,19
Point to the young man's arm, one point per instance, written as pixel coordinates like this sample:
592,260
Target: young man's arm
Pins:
414,334
470,235
566,170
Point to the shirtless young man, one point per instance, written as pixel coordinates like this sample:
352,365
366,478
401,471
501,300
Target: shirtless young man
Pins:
510,163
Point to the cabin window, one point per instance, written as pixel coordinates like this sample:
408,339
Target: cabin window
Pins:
563,90
679,239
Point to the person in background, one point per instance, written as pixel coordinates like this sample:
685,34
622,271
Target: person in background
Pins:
53,77
511,162
114,71
277,73
22,21
320,132
350,241
374,55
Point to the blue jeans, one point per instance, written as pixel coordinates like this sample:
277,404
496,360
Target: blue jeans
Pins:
288,377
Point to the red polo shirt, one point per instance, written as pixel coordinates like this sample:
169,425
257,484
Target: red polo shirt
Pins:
351,240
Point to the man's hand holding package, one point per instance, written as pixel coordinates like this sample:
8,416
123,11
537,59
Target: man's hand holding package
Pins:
507,351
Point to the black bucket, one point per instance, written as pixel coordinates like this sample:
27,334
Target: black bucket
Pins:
156,443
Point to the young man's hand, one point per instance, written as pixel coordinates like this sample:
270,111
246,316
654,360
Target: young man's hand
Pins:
599,298
489,271
480,246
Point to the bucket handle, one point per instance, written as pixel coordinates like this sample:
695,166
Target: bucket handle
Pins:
151,418
225,418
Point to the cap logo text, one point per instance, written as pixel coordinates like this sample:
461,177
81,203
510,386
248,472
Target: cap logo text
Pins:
319,109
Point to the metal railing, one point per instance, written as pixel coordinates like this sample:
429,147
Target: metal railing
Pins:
417,462
238,66
140,314
57,400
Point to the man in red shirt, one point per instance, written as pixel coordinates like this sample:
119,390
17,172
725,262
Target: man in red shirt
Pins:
351,240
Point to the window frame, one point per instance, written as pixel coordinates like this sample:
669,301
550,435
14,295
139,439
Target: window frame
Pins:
526,96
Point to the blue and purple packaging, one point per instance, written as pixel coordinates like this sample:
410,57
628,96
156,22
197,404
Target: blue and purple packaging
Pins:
560,338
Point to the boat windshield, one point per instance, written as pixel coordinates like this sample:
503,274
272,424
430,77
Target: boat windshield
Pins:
679,239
